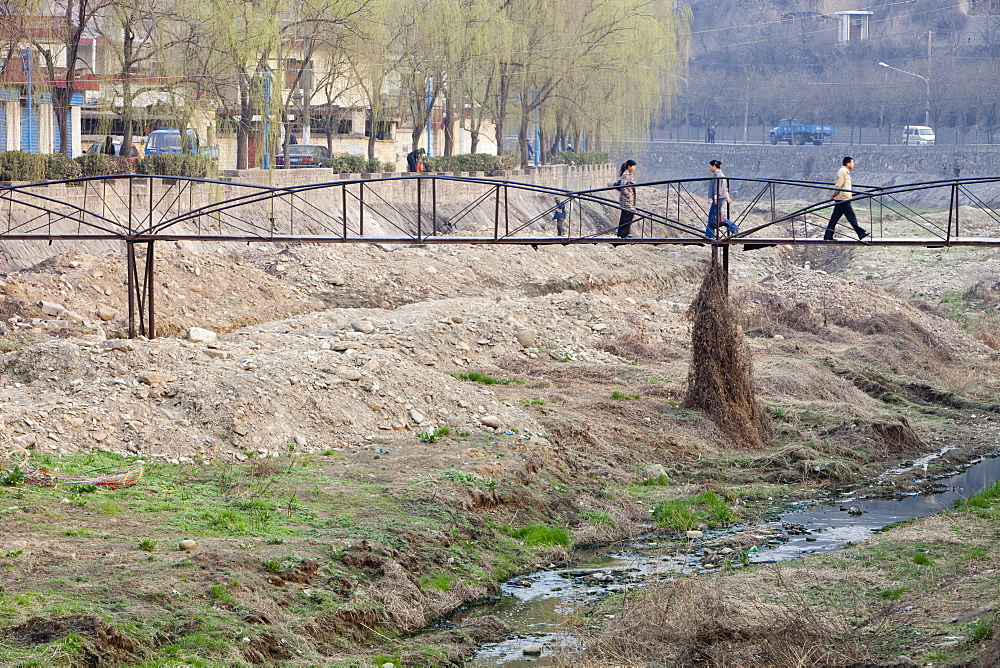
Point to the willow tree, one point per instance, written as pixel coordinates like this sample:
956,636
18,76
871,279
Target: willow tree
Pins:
464,35
606,56
311,25
127,27
241,39
374,61
419,60
54,30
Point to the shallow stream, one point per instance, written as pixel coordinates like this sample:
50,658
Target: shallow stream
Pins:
539,605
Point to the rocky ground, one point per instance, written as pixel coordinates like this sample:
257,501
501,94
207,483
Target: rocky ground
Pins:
439,401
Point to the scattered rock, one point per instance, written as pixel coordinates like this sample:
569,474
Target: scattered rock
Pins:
525,338
362,326
349,373
655,470
694,534
153,377
51,308
532,650
186,545
416,416
491,421
106,313
201,335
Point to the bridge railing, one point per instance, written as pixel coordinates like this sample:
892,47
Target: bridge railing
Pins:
452,209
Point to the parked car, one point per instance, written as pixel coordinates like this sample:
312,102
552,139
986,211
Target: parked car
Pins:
918,135
303,155
136,152
169,141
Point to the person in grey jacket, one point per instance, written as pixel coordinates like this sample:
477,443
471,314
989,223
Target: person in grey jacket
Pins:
626,197
718,194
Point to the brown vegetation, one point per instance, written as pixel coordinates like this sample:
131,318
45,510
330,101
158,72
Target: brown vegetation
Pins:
720,381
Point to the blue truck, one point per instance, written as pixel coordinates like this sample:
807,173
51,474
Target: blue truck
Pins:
796,132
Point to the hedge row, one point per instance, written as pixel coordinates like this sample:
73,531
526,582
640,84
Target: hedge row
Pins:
471,162
31,167
585,158
21,166
355,164
176,164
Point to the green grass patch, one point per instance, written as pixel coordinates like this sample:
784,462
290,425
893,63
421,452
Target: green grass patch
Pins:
622,396
656,481
539,535
597,518
706,509
982,499
982,629
477,377
921,559
892,594
438,582
430,437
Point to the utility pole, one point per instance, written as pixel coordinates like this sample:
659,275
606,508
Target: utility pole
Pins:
267,118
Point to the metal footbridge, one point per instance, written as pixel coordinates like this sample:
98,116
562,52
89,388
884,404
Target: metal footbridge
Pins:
138,211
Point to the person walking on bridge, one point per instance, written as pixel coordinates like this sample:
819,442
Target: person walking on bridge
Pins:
718,194
626,197
841,196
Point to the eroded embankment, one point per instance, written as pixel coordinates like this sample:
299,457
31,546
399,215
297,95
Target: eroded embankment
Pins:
352,474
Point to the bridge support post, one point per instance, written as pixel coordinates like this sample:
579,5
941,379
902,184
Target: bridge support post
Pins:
953,214
141,293
724,263
130,273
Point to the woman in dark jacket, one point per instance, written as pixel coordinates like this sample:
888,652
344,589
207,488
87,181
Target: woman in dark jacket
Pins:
626,197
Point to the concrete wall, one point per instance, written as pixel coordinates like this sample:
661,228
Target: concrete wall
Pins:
875,165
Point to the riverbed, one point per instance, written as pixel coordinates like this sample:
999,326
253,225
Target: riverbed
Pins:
544,605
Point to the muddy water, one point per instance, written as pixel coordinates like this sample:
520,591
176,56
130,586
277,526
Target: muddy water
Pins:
541,605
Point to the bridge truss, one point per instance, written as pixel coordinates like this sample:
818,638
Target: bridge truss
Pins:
138,211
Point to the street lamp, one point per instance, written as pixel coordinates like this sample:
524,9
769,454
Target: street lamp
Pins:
927,108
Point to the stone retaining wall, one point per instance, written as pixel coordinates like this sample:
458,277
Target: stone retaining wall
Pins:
875,165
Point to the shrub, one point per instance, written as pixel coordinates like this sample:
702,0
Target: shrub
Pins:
100,164
355,164
147,544
59,167
21,166
176,164
471,162
585,158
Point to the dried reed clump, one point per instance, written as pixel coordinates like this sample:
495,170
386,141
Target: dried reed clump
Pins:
691,622
720,381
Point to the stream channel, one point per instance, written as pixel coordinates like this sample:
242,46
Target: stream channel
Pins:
538,605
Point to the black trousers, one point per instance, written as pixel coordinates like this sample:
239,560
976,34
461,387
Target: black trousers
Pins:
843,209
625,223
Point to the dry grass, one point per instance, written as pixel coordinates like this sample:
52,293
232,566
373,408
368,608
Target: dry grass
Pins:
807,380
720,381
694,622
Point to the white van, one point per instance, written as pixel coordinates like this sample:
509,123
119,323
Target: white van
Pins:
918,135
